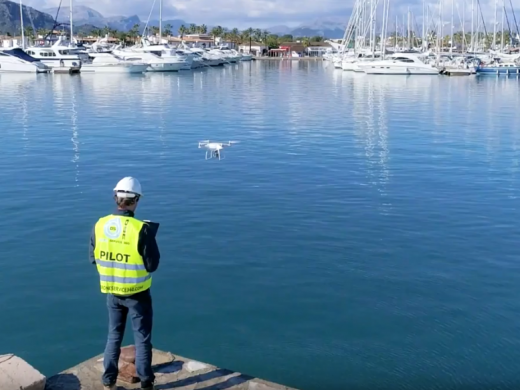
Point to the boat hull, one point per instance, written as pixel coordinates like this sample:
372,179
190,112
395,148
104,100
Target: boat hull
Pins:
493,71
25,68
401,71
113,68
164,67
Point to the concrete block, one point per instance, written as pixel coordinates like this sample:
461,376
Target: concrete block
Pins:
193,366
17,374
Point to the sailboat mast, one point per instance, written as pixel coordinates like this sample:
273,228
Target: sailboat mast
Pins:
160,21
422,35
21,25
71,28
452,12
463,24
502,40
408,28
472,25
495,27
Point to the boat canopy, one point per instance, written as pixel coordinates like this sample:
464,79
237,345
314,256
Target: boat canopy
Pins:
19,53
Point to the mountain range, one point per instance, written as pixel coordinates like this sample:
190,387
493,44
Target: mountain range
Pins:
86,18
10,17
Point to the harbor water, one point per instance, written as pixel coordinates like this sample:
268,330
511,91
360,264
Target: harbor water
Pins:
363,234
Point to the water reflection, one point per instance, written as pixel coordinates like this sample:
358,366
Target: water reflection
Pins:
75,134
369,111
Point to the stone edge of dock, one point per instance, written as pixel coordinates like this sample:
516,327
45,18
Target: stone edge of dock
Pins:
17,374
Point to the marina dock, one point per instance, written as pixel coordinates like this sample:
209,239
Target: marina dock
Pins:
172,372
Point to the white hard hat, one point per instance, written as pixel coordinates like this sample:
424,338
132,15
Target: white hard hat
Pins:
128,187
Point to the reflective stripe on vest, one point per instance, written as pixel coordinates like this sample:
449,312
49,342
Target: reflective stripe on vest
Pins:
120,266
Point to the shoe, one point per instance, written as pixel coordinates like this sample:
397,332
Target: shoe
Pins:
110,387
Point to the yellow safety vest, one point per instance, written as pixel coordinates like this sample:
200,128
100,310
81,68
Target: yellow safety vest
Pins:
120,266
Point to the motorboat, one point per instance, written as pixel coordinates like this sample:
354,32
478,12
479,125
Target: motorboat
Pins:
17,61
399,64
60,54
110,63
155,63
246,57
501,68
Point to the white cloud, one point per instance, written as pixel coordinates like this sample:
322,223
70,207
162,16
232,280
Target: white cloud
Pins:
266,13
217,12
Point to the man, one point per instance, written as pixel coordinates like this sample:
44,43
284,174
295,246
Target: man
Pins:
126,253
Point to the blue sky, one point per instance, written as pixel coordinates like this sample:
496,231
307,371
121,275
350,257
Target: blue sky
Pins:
267,13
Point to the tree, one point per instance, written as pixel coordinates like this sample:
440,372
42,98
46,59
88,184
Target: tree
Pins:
286,38
264,35
272,41
167,30
248,35
317,38
29,32
134,31
192,29
42,32
203,29
121,35
257,35
217,32
182,30
235,36
155,30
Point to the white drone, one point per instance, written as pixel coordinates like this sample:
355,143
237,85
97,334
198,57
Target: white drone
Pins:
214,149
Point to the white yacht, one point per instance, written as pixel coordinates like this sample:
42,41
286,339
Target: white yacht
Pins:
155,62
355,62
166,52
197,60
246,57
230,55
399,64
210,59
110,63
60,54
17,61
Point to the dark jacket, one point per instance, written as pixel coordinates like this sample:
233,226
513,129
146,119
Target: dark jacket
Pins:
147,245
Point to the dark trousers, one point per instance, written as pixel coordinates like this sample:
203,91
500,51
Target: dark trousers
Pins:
139,307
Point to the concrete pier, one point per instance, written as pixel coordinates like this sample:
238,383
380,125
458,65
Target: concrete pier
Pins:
172,372
17,374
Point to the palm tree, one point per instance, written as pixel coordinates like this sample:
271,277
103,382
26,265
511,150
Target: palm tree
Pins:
248,36
192,29
257,35
234,36
134,32
182,30
167,30
155,30
203,29
217,32
264,35
41,32
29,32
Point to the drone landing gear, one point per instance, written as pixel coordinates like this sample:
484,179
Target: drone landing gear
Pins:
214,154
